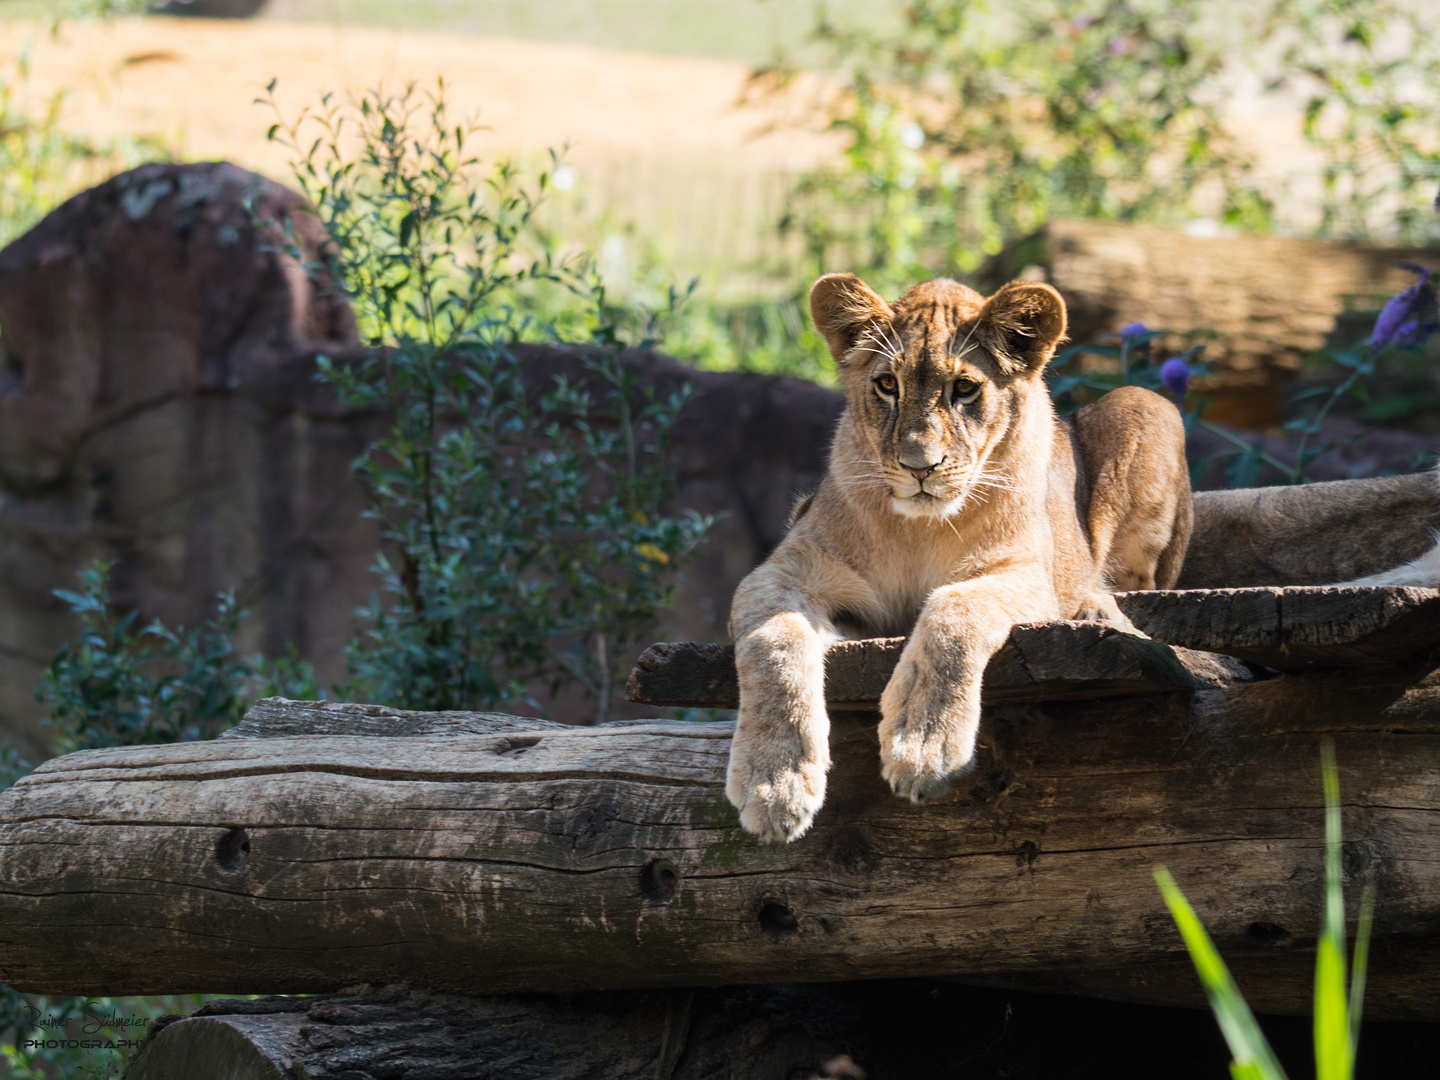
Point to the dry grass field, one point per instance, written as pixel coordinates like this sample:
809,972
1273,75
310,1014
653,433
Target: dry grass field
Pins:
194,83
659,142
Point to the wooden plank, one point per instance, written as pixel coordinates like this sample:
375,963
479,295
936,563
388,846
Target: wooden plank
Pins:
1050,661
1296,628
583,858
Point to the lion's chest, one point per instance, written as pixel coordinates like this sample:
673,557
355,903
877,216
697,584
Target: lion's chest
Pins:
902,581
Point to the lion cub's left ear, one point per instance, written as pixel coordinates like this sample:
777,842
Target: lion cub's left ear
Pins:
1021,324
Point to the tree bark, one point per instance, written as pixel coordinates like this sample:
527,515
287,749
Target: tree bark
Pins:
532,857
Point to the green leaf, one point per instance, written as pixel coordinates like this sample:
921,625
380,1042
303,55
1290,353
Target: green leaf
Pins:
1247,1042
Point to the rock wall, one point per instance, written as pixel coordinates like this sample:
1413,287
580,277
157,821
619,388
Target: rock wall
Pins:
156,410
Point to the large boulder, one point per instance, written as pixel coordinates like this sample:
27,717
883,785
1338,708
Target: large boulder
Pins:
157,411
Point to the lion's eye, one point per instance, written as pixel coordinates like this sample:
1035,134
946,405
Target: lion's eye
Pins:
887,384
966,391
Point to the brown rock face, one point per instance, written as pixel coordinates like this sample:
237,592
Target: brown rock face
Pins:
156,410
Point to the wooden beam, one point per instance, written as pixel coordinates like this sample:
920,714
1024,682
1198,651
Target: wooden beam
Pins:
1054,661
1296,628
548,859
394,1032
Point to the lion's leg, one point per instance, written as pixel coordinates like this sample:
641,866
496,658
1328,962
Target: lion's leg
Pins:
780,620
1140,513
930,710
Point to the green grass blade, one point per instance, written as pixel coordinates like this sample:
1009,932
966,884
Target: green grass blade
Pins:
1333,1050
1362,958
1254,1060
1332,1028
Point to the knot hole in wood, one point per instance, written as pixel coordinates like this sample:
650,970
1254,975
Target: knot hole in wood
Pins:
660,881
232,850
514,747
1267,933
778,921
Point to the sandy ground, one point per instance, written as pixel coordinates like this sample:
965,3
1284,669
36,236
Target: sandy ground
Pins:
194,84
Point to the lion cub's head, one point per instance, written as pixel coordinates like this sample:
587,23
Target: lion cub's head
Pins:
940,382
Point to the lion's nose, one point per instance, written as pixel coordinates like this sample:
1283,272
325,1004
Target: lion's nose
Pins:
920,472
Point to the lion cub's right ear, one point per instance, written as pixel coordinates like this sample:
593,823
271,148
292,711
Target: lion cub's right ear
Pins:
844,308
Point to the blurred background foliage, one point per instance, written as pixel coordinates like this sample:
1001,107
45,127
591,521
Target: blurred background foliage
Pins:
974,123
963,125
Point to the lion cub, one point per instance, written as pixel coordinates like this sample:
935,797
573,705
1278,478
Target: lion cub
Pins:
956,505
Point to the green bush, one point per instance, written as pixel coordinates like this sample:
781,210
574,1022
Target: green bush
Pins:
118,683
121,684
525,545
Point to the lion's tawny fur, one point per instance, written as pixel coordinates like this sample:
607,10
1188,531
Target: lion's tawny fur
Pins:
956,505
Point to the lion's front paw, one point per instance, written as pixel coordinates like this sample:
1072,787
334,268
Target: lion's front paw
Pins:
777,798
782,808
927,731
921,767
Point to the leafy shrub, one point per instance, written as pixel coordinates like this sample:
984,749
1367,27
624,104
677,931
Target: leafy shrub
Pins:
114,684
524,538
120,684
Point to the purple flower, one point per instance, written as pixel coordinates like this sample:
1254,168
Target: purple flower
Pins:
1410,316
1175,375
1130,331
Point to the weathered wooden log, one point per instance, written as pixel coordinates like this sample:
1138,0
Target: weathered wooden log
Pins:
1054,661
892,1029
1188,630
549,859
399,1033
1310,534
1296,628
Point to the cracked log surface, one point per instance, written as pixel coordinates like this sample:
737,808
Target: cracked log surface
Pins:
1052,661
530,857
